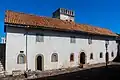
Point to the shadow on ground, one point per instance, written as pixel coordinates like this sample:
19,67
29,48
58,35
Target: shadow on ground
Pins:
100,73
117,59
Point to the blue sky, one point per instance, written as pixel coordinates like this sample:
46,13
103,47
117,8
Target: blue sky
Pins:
102,13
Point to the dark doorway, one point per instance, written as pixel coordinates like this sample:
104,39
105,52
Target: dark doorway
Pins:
39,63
107,57
82,58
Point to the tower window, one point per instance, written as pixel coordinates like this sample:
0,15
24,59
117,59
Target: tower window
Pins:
66,11
72,13
61,10
69,12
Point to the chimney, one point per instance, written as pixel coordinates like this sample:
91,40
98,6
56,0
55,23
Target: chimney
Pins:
64,14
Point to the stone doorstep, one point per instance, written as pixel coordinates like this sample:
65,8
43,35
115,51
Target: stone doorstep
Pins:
17,72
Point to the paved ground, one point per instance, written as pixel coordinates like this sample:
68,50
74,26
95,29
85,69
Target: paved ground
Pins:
98,73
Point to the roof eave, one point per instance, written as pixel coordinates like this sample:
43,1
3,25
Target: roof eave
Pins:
58,29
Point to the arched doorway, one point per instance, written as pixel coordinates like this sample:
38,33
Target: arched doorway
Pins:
82,58
107,57
39,62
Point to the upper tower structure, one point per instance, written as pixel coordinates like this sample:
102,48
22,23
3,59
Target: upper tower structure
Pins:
64,14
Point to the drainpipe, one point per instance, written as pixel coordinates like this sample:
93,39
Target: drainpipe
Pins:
26,51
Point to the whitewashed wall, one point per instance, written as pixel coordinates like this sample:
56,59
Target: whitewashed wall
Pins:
53,43
66,17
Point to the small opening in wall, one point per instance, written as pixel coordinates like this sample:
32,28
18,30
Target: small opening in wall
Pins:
21,51
72,57
91,56
101,55
70,20
72,13
112,54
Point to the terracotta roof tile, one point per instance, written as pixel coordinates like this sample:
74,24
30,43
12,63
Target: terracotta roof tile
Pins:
27,19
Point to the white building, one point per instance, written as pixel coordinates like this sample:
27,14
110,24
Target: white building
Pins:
42,43
3,40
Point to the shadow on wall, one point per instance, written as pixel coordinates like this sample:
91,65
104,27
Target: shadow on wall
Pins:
117,59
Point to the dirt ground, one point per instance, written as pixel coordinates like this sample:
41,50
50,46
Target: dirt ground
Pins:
112,72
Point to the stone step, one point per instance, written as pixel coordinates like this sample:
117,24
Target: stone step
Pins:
1,68
1,65
2,73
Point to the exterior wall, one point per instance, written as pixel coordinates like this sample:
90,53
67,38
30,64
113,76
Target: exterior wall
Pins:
3,40
66,17
14,44
54,42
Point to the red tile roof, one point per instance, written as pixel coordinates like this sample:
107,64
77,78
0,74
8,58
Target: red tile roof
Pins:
39,21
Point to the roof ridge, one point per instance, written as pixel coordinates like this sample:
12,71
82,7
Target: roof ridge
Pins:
30,14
